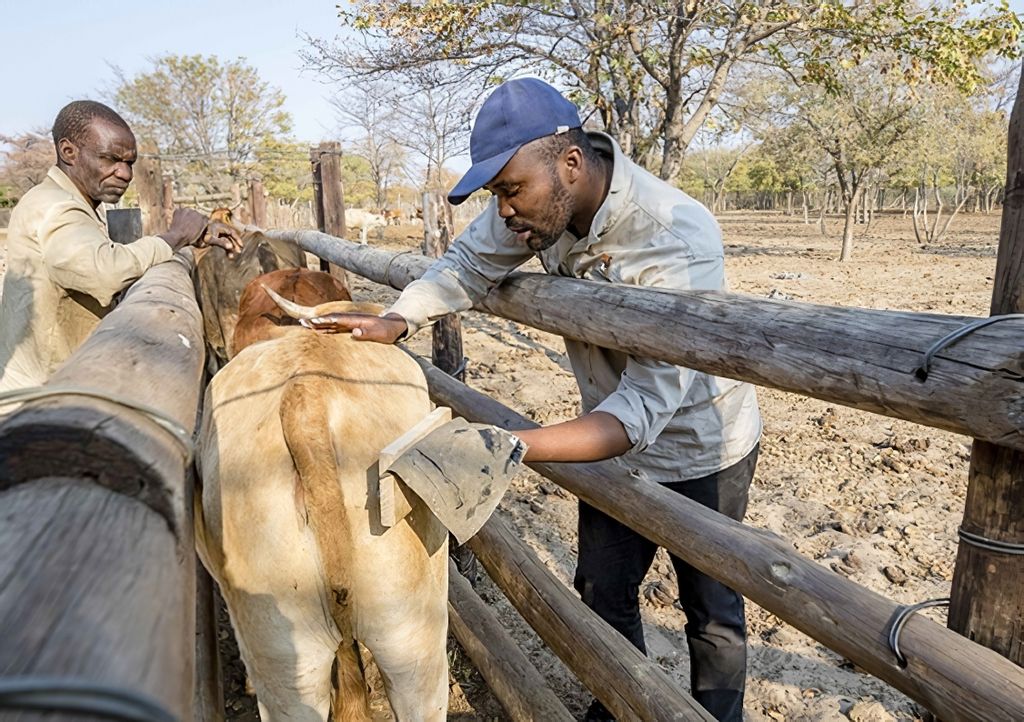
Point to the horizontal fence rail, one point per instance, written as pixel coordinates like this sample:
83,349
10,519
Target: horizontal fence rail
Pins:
96,531
861,358
951,675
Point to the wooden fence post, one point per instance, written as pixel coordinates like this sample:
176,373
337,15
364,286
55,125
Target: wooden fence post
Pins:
167,201
987,598
329,198
149,184
124,225
258,203
446,352
446,339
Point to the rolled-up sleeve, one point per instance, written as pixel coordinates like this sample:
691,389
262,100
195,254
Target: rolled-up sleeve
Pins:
650,392
479,259
648,396
78,256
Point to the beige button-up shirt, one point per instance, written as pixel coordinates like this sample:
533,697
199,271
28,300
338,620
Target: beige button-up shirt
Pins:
683,424
63,272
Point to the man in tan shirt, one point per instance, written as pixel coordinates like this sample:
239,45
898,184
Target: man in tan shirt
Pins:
63,271
576,202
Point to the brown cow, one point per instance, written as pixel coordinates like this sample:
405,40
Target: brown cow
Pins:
220,281
292,428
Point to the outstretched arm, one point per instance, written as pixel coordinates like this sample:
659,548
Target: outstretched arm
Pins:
591,437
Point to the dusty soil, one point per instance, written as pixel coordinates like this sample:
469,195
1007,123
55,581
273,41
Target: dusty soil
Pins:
875,499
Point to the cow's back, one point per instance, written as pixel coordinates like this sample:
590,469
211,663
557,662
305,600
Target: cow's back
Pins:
344,400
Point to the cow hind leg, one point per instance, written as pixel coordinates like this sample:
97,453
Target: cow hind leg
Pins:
290,672
351,703
415,675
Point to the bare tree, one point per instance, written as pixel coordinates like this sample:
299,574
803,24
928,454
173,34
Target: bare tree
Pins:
652,70
26,160
370,109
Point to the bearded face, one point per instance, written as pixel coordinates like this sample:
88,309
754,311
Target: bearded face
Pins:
544,225
533,199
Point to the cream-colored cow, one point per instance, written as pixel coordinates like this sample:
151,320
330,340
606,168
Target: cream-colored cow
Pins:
291,431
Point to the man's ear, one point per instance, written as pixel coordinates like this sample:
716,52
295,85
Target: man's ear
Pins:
67,151
573,160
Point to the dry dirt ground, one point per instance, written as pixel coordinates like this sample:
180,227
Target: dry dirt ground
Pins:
875,499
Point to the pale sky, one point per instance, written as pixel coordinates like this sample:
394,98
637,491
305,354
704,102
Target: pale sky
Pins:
54,51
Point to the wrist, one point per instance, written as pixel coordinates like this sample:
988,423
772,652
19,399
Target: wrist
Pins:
174,240
401,325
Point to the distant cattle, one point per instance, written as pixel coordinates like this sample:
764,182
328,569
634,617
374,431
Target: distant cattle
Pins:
291,431
363,219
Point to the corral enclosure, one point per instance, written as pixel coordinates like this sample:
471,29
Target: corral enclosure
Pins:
875,499
872,498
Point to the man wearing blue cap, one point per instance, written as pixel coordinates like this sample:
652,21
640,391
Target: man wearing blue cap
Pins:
574,200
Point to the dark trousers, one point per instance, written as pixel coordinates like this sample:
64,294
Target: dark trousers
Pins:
614,559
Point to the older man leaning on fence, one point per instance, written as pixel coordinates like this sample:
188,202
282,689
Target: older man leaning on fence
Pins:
63,270
587,211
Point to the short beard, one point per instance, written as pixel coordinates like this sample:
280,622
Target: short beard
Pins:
556,219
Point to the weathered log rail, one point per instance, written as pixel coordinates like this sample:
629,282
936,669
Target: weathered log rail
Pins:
856,357
98,558
517,684
948,673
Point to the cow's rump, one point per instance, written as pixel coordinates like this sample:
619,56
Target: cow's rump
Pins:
292,428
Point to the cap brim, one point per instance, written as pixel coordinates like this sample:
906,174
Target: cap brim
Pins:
479,175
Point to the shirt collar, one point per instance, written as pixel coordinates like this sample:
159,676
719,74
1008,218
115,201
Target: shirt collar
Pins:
612,207
61,178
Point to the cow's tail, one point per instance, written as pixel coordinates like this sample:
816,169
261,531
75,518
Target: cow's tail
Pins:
304,422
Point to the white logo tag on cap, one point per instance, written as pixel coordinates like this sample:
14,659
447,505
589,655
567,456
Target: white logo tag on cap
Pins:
561,129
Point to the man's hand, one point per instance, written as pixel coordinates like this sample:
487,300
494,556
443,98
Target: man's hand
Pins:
362,326
192,228
223,235
186,228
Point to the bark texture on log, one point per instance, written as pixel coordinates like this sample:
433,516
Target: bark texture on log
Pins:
629,684
861,358
515,682
987,600
98,561
952,676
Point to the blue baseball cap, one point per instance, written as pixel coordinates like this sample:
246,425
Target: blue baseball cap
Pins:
517,112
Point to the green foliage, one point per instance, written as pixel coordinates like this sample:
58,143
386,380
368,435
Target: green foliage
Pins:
654,72
360,190
8,196
285,169
209,115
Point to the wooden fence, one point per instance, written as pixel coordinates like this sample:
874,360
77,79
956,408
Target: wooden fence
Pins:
865,359
103,447
106,447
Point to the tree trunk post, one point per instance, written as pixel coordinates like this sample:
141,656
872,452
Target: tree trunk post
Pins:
258,203
851,218
329,198
987,597
149,184
167,201
446,346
